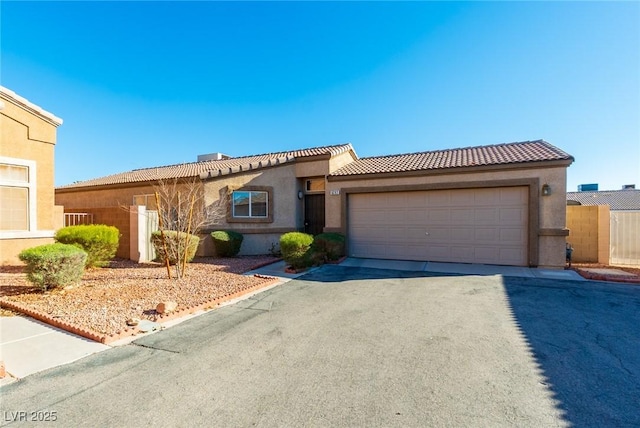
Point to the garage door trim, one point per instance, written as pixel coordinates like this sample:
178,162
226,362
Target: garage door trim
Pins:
533,185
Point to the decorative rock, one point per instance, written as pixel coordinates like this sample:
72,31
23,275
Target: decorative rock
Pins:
132,322
166,307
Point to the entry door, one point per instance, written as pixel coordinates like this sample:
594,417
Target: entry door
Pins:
314,214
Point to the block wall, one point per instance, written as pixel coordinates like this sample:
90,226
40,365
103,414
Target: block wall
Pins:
589,233
112,216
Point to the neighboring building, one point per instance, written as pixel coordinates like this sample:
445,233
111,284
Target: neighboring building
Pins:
617,200
605,226
498,204
28,216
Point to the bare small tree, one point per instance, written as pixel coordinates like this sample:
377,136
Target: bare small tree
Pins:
183,212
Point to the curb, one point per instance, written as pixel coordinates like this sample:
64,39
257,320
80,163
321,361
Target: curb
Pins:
609,278
108,338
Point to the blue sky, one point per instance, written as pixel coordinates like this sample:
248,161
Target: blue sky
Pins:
145,84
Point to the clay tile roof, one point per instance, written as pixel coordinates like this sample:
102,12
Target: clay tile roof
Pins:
618,200
499,154
210,168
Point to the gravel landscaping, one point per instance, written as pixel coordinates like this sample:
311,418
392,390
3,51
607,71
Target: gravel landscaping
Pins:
108,297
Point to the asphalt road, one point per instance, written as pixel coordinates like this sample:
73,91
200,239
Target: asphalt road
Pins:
363,347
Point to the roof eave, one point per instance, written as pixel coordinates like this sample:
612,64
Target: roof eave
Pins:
561,163
27,105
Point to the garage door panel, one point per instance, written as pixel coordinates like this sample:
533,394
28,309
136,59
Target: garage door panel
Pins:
462,253
438,252
396,216
486,254
416,215
462,215
512,195
363,232
416,201
438,198
511,215
458,225
512,236
514,255
486,235
462,234
489,197
400,234
486,216
372,217
438,215
435,235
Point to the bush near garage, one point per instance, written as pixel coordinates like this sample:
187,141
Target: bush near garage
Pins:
329,246
174,242
227,243
296,249
54,265
99,241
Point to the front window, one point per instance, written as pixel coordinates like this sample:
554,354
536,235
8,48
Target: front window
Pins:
250,204
17,194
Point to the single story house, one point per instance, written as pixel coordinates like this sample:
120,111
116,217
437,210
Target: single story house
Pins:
496,204
28,217
605,226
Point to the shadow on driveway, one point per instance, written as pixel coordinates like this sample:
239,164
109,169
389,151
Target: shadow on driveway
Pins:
584,337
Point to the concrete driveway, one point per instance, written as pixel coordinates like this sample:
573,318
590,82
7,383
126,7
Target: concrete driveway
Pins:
367,347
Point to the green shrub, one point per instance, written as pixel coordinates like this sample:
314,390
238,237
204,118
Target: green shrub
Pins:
98,240
227,243
329,245
54,265
175,245
296,249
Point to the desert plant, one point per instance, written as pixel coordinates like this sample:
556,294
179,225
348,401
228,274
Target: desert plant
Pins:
182,207
98,240
227,243
330,246
54,265
275,249
296,249
177,244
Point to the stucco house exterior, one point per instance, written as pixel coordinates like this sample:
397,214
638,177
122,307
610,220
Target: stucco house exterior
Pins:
497,204
28,216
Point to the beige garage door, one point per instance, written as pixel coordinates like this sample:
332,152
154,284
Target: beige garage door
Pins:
487,225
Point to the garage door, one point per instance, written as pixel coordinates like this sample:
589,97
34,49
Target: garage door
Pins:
486,225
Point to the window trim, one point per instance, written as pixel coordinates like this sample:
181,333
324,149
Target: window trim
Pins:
269,217
31,186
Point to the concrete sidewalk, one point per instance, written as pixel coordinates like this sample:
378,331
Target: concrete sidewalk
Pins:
28,346
463,268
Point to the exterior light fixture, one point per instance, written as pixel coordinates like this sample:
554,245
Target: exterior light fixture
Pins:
546,190
300,194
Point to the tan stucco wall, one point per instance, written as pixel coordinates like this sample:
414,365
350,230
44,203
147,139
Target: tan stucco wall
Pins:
287,208
10,248
551,209
100,198
119,217
323,167
589,233
27,134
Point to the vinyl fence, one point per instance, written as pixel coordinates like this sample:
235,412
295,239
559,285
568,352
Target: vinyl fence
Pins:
625,238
